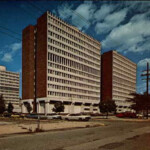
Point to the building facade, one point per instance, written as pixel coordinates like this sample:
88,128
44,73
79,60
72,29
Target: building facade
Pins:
9,88
118,79
59,63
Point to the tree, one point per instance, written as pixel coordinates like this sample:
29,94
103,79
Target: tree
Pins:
58,107
10,108
29,108
107,106
2,104
140,102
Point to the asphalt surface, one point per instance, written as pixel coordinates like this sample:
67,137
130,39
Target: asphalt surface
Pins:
116,135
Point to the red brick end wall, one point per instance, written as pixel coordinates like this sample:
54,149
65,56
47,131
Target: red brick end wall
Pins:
41,57
106,76
28,63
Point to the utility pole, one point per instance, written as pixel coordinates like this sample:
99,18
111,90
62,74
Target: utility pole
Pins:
147,74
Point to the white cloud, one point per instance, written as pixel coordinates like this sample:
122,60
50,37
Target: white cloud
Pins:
65,11
101,28
141,88
101,13
83,15
143,62
137,5
116,17
13,48
7,57
111,21
80,17
1,52
130,36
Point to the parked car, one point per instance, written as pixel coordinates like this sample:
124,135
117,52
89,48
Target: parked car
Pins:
15,115
120,115
130,115
140,115
33,116
36,116
76,117
6,114
53,116
23,115
126,115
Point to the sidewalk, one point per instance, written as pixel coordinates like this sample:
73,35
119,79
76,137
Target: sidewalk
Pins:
11,128
120,119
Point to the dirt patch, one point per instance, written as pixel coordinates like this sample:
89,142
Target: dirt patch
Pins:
111,145
59,149
133,138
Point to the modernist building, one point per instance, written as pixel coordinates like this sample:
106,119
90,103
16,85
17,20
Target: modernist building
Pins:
118,79
9,87
59,63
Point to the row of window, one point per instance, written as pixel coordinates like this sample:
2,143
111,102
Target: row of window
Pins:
71,51
3,79
125,72
115,88
66,27
123,76
11,96
72,95
73,83
127,64
121,93
65,46
74,76
65,88
9,74
72,64
90,49
120,106
9,84
118,76
9,92
125,97
63,68
123,83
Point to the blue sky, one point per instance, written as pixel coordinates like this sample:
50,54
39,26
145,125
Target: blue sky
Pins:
123,26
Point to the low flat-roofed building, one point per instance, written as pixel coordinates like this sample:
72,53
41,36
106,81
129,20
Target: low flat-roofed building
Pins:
9,87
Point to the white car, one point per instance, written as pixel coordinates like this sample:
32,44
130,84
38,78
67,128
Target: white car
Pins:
139,115
76,117
53,116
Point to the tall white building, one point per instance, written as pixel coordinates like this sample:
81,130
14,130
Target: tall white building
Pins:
9,87
60,63
118,79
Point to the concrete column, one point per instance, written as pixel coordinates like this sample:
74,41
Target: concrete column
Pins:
37,105
98,109
46,108
31,106
71,108
91,108
82,107
22,108
50,108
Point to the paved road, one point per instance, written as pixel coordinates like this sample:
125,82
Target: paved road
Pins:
116,135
